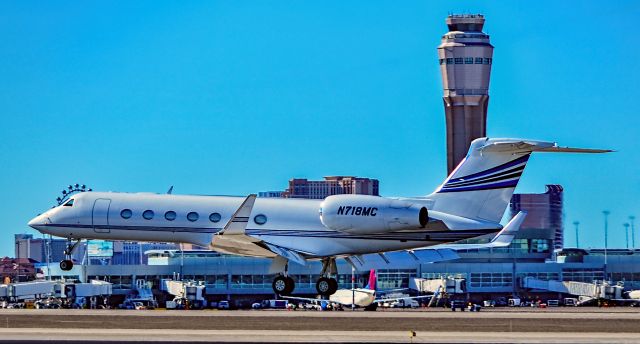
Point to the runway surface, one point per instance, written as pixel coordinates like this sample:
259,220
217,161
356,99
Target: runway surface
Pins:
495,326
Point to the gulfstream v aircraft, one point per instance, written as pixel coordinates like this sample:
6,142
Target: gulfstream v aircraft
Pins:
469,203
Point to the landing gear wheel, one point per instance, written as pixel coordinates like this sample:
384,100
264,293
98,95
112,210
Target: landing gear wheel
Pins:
66,265
326,286
334,286
291,285
372,307
283,285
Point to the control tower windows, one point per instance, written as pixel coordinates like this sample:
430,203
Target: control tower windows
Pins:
487,60
478,60
442,61
459,60
468,60
450,60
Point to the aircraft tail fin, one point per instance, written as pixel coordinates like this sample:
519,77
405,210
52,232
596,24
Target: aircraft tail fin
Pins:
481,186
372,280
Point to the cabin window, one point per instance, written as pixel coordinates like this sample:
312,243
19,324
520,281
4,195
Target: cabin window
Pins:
147,214
192,216
69,203
126,213
215,217
260,219
170,215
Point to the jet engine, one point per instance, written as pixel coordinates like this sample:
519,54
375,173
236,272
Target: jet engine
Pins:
361,214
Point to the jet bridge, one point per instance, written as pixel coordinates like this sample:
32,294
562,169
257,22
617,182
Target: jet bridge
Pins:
189,291
598,290
442,289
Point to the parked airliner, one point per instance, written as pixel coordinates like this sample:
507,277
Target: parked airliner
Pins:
367,297
469,203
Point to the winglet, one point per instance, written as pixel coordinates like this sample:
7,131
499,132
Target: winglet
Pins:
506,235
502,239
238,222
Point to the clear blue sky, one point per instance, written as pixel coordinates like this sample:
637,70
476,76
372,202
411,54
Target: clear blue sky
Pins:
235,97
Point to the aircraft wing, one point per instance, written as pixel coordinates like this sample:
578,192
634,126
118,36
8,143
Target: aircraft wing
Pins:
320,301
502,239
306,299
393,299
313,301
232,239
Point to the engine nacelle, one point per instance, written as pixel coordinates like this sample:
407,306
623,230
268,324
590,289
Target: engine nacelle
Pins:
361,214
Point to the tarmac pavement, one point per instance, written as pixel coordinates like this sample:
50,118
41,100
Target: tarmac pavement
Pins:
430,326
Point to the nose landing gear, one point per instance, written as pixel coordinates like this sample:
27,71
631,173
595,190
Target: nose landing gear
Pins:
67,263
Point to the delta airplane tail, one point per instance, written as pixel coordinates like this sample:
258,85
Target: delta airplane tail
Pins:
372,280
482,184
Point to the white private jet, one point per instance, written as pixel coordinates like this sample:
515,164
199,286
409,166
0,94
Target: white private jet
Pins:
469,203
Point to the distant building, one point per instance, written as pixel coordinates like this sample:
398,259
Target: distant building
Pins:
544,213
17,269
26,246
132,252
124,252
333,185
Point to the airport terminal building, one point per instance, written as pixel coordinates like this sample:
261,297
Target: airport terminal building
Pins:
487,273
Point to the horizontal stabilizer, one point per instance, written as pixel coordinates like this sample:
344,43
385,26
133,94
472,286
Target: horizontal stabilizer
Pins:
515,146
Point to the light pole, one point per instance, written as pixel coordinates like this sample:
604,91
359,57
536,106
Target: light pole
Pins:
577,223
353,288
606,237
626,233
633,232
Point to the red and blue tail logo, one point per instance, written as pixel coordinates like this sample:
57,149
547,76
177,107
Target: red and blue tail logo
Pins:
372,280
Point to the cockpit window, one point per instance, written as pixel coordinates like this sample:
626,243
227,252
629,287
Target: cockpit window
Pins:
69,203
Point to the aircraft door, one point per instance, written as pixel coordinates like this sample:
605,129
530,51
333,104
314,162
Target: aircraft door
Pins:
100,216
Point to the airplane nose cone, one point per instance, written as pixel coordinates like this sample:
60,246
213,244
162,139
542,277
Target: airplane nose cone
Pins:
37,222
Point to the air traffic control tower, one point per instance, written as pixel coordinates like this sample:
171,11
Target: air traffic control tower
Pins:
465,63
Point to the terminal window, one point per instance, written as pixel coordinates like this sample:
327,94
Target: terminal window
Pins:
491,279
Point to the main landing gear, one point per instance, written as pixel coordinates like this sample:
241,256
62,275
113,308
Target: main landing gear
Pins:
283,284
326,285
67,263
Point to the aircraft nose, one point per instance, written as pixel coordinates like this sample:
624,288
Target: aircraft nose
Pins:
38,221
